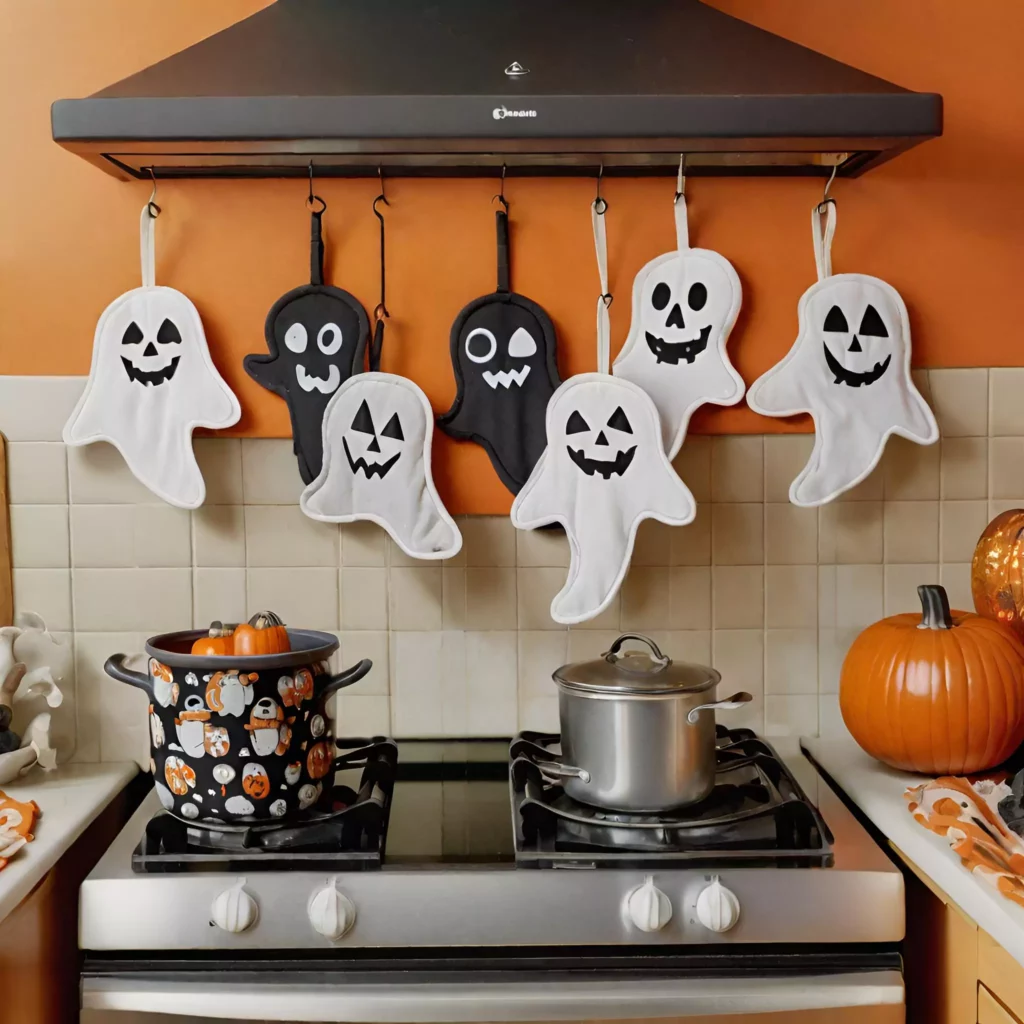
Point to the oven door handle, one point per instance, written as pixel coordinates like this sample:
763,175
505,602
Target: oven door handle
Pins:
328,997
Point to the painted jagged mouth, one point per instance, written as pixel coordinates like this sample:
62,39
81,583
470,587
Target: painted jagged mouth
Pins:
370,469
151,378
850,377
673,351
615,467
310,382
506,378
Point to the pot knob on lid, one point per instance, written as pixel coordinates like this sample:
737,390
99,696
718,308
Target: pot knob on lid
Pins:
234,910
718,909
648,907
331,913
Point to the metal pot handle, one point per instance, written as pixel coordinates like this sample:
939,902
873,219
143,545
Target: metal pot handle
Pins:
612,654
563,771
737,700
115,666
345,678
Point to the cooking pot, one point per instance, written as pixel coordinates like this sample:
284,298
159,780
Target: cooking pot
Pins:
239,738
638,730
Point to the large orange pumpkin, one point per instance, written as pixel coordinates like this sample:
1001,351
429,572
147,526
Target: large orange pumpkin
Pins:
264,633
940,693
997,571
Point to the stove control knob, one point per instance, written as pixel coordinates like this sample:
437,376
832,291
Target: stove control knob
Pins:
331,913
648,907
234,910
718,909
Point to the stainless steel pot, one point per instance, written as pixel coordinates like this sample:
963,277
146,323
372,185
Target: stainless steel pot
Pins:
638,730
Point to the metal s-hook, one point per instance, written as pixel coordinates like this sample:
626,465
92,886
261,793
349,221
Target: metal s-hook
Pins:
600,203
381,310
151,206
826,198
680,179
313,197
501,192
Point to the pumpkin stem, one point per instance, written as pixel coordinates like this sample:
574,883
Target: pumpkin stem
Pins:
265,620
934,607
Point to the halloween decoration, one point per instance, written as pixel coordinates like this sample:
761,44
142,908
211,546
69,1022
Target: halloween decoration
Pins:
503,354
850,369
152,382
224,743
997,579
603,472
316,335
17,820
939,693
685,304
377,437
219,641
264,633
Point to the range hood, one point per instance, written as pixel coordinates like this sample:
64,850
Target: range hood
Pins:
456,87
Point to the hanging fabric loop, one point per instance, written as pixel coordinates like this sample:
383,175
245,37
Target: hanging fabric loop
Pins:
316,247
823,229
501,224
598,209
147,245
679,205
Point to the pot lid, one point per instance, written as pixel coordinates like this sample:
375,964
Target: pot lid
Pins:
636,671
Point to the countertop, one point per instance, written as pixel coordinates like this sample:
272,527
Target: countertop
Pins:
878,792
70,798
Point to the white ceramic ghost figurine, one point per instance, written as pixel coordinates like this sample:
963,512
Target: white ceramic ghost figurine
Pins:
152,382
850,369
377,436
685,303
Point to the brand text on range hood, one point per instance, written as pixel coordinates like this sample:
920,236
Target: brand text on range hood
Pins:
464,87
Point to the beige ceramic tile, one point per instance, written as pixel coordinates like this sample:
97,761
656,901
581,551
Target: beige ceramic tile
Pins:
37,473
1006,410
784,456
490,598
142,600
960,402
363,593
922,379
737,468
39,536
690,597
538,714
162,536
653,545
691,544
830,719
415,598
608,619
859,595
535,587
305,598
871,488
693,464
737,533
739,657
826,595
270,471
363,544
997,506
956,578
850,532
47,592
98,475
912,531
539,548
220,460
901,583
454,684
356,715
964,465
397,557
738,596
218,536
962,525
453,598
218,595
283,535
540,653
910,471
645,599
791,596
416,684
372,644
1005,467
790,534
103,536
693,645
832,647
488,540
492,696
791,715
588,644
36,408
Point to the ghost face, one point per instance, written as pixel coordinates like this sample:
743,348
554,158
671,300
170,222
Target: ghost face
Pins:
255,781
151,359
499,345
857,352
605,448
371,452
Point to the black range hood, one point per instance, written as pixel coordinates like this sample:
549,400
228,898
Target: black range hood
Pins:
454,87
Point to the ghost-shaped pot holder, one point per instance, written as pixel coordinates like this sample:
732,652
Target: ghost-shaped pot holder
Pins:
850,369
316,335
685,304
152,382
503,354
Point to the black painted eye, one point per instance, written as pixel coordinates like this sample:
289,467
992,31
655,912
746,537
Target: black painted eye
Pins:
618,421
132,334
577,424
836,321
168,334
363,421
393,428
871,325
698,296
662,295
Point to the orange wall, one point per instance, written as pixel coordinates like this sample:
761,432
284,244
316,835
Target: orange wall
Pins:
944,223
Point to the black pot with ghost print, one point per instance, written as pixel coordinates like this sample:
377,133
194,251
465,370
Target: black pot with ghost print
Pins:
239,738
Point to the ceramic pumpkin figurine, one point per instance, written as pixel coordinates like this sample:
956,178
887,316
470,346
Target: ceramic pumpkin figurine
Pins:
940,693
997,571
264,633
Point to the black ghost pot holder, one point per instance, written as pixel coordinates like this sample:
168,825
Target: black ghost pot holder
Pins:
316,335
503,354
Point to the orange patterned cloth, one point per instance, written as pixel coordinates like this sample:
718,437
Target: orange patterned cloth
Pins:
966,813
16,823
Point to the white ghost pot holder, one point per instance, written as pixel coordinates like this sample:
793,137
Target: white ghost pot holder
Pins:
850,369
152,382
603,472
685,304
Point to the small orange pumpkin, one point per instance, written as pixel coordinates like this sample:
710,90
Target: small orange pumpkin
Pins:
264,633
997,571
220,641
940,693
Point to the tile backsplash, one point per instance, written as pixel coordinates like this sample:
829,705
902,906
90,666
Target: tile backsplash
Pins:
769,593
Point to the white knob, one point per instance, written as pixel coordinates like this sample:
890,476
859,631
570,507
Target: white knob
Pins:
234,910
331,913
718,909
648,907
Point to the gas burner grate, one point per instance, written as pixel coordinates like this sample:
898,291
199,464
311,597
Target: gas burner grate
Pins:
345,830
757,814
